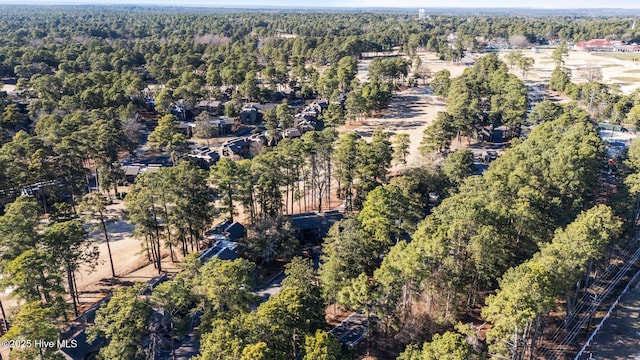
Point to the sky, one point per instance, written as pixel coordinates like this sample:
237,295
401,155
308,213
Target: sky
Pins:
426,4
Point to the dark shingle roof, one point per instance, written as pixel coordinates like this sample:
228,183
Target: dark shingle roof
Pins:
235,231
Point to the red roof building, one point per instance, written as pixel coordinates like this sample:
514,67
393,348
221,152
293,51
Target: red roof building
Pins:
604,45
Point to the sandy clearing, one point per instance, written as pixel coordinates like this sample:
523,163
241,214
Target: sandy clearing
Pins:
614,71
411,111
430,62
433,64
8,88
128,260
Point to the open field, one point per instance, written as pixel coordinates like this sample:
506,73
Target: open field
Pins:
619,55
625,79
411,110
615,67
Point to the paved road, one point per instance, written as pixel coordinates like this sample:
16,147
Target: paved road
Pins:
620,337
273,287
187,348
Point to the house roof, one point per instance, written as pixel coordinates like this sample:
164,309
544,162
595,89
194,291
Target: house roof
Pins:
249,108
291,132
235,231
604,43
209,103
83,348
224,121
131,170
219,228
227,254
313,220
223,249
77,332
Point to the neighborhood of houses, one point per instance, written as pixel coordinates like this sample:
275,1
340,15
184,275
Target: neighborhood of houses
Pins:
248,135
223,237
247,138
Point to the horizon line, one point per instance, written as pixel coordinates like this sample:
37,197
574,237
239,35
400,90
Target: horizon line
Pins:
285,7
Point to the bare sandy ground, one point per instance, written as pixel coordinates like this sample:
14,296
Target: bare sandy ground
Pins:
411,111
625,73
7,88
130,262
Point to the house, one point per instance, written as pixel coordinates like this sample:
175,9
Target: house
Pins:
307,125
222,249
313,226
303,119
227,230
604,45
213,107
246,147
219,228
204,157
186,128
75,337
308,114
263,108
130,173
291,133
234,231
249,114
224,125
76,334
237,148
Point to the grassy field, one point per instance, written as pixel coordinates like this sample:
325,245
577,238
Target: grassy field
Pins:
620,56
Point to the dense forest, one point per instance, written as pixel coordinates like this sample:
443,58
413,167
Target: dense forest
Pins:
427,254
